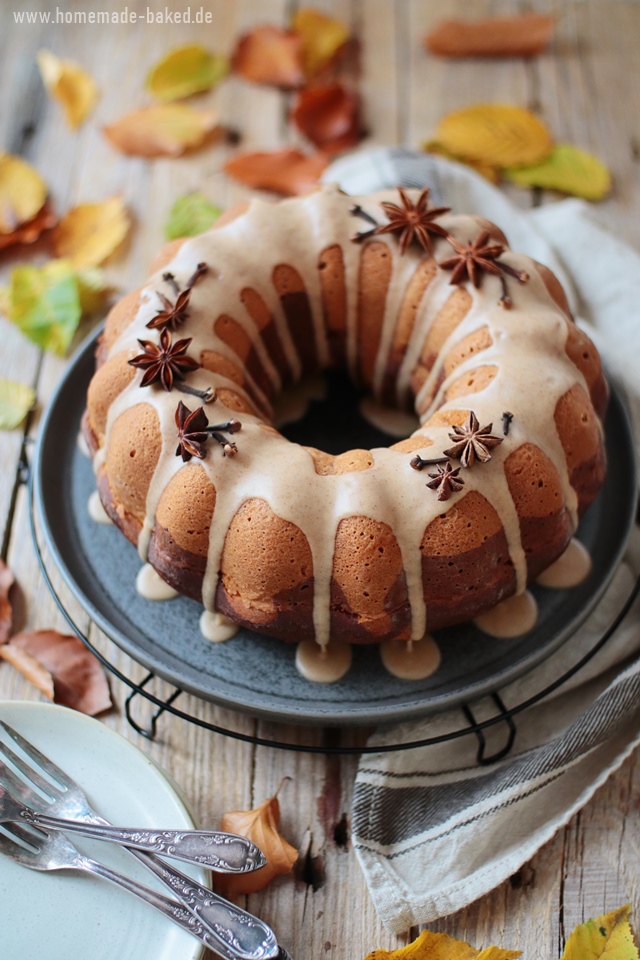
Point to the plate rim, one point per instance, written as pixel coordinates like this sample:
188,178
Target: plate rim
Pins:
196,949
335,716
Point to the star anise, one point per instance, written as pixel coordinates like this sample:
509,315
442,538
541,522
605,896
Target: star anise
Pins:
446,481
174,314
478,256
163,363
194,431
411,221
472,442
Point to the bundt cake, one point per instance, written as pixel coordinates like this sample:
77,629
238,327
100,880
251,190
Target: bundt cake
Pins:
420,307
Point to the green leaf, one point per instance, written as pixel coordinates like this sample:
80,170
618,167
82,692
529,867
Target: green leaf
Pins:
16,399
608,937
44,303
190,215
186,70
567,168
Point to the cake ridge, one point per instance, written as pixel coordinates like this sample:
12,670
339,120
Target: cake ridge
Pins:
534,333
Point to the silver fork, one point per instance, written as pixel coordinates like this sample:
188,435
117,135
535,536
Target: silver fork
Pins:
234,933
224,852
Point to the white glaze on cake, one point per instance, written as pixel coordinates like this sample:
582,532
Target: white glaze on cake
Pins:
95,509
570,569
216,627
397,423
527,346
323,664
412,660
151,586
511,618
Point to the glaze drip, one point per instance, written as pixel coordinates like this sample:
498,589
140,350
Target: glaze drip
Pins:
527,344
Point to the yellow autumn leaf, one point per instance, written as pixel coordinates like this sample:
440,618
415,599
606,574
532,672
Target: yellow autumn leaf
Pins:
16,399
90,232
498,134
569,169
67,82
186,70
321,37
486,170
608,937
22,192
440,946
164,130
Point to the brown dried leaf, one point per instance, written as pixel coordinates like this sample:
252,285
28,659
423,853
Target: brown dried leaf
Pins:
62,668
30,231
30,668
284,171
526,35
163,130
322,38
329,116
6,611
271,56
261,826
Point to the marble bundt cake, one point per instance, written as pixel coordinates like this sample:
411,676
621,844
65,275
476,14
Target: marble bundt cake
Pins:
422,308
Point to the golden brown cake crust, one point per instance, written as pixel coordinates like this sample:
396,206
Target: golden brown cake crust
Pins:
242,535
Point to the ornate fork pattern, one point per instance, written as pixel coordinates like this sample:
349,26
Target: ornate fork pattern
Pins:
235,934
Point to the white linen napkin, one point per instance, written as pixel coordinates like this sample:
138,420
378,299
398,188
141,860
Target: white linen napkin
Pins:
434,831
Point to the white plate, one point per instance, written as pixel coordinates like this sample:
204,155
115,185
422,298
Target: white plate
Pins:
71,916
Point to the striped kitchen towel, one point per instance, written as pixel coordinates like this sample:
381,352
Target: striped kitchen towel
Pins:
434,831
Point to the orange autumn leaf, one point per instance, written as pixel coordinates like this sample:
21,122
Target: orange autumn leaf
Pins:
499,134
270,55
163,130
525,35
284,171
31,230
6,611
90,232
261,826
322,38
62,668
329,116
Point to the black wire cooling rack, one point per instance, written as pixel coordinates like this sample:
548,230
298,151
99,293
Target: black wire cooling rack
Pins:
472,726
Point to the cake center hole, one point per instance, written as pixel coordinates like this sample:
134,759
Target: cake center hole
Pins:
333,415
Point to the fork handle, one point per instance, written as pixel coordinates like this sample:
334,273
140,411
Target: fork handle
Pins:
169,908
223,852
246,936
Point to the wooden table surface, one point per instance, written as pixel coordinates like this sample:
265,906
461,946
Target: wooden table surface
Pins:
587,88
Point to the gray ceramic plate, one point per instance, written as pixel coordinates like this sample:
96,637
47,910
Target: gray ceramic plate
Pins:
257,674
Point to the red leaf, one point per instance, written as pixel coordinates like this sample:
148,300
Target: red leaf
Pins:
329,116
283,171
6,612
29,232
62,668
271,56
